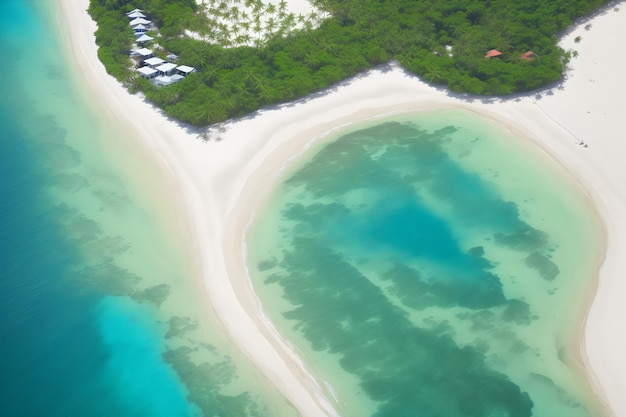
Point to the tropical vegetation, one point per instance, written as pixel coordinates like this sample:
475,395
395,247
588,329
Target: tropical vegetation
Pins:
250,54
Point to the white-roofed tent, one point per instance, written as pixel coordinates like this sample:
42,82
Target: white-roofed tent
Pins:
184,70
139,29
143,39
166,69
139,21
142,53
153,62
133,11
147,72
164,80
135,14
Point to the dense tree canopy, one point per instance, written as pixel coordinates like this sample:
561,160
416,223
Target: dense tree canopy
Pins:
444,42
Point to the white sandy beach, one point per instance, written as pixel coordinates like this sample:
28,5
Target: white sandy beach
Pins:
220,183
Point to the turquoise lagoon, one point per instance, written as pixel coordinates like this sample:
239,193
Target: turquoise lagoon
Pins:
100,313
432,264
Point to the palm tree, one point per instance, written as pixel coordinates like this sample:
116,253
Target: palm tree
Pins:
235,30
250,77
234,13
310,60
404,59
280,32
202,61
326,45
246,38
210,32
290,20
432,74
270,24
257,7
258,28
266,93
504,45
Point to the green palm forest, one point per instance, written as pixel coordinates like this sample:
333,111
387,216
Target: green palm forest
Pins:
444,42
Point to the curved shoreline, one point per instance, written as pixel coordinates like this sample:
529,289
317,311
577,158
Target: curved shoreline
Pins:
270,172
214,180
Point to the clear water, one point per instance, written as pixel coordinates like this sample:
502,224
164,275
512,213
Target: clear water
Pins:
431,265
100,309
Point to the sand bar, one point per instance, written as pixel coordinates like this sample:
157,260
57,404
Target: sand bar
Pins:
220,183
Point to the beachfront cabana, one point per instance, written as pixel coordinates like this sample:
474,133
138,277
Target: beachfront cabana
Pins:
134,11
493,53
184,70
139,29
165,80
135,15
139,21
147,72
166,69
154,62
143,39
172,57
143,53
528,56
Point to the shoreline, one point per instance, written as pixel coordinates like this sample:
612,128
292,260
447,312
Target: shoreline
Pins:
214,180
274,168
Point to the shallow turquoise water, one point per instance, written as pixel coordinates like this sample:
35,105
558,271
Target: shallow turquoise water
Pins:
431,265
100,312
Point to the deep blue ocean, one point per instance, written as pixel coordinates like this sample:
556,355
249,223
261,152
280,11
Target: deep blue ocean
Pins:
70,346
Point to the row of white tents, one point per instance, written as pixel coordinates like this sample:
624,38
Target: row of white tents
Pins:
140,25
153,68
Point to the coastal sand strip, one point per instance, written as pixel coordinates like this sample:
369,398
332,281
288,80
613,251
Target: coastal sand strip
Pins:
221,183
206,178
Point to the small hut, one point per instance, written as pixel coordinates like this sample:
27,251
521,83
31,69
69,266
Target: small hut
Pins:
166,69
165,80
184,70
492,53
528,56
153,62
143,53
147,72
143,39
140,21
140,29
135,14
